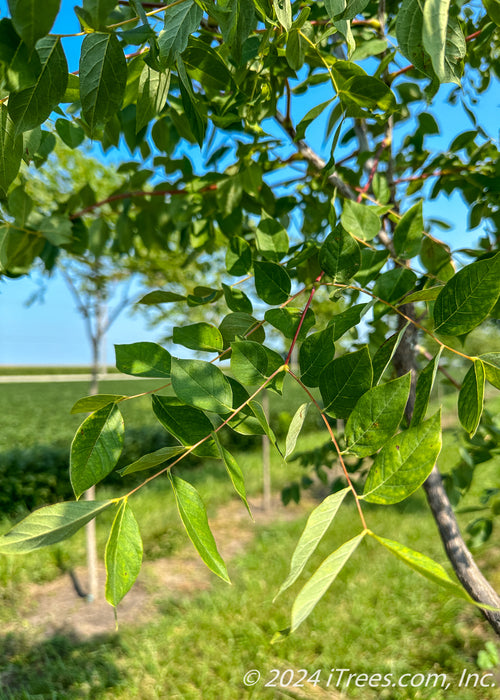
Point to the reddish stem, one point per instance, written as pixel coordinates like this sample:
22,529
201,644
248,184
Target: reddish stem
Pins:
308,304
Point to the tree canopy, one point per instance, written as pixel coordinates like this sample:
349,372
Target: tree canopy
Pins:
219,105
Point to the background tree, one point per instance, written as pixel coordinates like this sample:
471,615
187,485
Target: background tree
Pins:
230,76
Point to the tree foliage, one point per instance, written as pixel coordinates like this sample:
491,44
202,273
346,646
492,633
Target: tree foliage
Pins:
219,104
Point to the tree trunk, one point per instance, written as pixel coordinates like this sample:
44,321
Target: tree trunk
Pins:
459,555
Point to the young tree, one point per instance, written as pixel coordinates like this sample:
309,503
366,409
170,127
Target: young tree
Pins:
298,226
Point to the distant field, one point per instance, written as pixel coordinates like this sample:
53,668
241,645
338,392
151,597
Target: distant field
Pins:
22,370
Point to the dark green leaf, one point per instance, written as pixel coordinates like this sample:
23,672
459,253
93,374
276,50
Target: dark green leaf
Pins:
491,361
103,77
425,382
32,22
344,321
272,282
89,404
143,360
239,323
271,238
467,299
287,321
294,51
376,416
201,384
98,11
408,233
30,107
344,380
153,459
96,448
236,299
339,256
123,556
492,7
301,128
72,134
393,284
248,361
404,463
321,581
152,95
429,294
50,525
385,353
188,424
316,351
238,257
181,20
204,65
199,336
316,526
471,397
234,471
19,64
194,519
11,151
372,261
161,297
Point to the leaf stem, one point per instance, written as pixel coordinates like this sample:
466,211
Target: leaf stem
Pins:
308,304
336,445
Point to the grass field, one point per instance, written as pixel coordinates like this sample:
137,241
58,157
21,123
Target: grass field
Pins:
27,370
378,617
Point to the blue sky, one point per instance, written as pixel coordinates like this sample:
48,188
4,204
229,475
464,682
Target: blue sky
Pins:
53,332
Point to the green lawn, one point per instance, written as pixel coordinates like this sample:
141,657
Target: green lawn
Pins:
378,617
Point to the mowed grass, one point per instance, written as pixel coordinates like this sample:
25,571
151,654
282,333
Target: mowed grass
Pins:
378,617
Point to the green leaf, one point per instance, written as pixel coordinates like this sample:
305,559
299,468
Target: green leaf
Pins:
313,113
429,294
199,336
360,220
372,261
272,282
343,322
339,256
283,9
30,21
30,107
408,233
201,384
57,230
19,64
404,463
152,95
287,321
492,7
89,404
425,382
385,353
295,428
361,95
188,424
336,8
194,519
72,134
394,284
435,24
161,297
321,581
316,351
50,525
471,397
152,459
103,78
258,412
238,257
96,448
234,471
195,118
143,360
317,524
344,380
180,21
491,361
239,323
424,565
271,238
204,65
123,556
248,361
468,297
376,416
98,11
236,299
11,151
294,51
